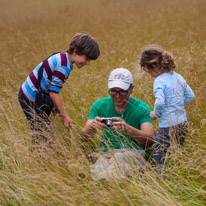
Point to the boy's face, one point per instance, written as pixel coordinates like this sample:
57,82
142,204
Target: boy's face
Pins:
80,60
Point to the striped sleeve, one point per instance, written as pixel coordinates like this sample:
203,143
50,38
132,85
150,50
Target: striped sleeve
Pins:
60,74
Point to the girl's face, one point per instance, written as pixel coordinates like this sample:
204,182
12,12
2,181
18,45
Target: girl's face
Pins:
155,72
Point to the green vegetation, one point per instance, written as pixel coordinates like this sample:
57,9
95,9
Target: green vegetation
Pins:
32,30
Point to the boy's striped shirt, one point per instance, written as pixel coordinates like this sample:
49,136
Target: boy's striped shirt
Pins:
55,72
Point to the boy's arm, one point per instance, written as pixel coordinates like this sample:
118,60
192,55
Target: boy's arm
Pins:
58,103
59,77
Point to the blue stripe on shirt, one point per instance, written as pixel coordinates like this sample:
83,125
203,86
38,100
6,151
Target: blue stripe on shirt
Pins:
38,67
44,83
56,89
29,90
65,68
54,83
54,61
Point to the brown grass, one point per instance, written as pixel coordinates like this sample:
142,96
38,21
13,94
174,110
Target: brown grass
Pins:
32,30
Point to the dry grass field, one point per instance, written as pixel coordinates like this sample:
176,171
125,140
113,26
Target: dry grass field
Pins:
32,30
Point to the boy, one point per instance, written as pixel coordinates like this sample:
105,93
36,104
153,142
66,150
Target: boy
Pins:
56,69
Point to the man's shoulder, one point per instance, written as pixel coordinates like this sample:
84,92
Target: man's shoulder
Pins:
138,102
139,109
100,107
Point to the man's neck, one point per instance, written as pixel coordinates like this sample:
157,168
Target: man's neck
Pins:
121,108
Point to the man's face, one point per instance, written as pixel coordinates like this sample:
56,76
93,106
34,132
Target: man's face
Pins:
80,60
120,96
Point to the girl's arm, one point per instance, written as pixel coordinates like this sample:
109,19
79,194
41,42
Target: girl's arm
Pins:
159,97
189,95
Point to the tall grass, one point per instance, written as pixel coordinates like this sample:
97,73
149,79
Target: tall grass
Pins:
32,30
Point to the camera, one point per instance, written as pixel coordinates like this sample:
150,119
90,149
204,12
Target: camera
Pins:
107,121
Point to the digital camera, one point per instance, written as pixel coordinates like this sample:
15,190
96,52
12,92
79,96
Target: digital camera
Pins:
107,121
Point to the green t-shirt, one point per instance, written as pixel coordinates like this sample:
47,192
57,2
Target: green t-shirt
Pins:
136,113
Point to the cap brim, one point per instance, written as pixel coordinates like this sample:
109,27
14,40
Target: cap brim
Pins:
118,84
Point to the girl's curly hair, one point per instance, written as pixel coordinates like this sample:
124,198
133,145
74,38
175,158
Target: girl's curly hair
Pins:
155,55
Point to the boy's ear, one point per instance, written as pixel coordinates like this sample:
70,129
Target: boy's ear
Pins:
74,51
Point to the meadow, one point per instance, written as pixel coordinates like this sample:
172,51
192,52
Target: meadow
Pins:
32,30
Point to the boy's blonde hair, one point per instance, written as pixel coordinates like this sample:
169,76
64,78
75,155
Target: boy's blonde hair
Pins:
155,55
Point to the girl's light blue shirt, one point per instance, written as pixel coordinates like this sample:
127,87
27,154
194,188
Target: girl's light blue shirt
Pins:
172,94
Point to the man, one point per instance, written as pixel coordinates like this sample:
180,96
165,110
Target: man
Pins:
122,144
56,69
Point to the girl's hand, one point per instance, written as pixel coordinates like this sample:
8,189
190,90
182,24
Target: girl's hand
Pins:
152,115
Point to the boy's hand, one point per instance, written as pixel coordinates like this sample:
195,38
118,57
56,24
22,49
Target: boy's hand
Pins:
67,122
152,115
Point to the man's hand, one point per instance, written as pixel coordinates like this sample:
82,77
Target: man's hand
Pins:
152,115
120,125
90,128
97,124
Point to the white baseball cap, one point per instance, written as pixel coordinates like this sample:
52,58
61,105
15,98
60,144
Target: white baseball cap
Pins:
121,78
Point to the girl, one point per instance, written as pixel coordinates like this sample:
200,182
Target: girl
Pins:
172,94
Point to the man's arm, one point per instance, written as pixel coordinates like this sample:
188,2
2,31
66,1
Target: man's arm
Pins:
91,127
144,136
58,103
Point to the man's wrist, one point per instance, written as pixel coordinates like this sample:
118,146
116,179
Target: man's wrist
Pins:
128,129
